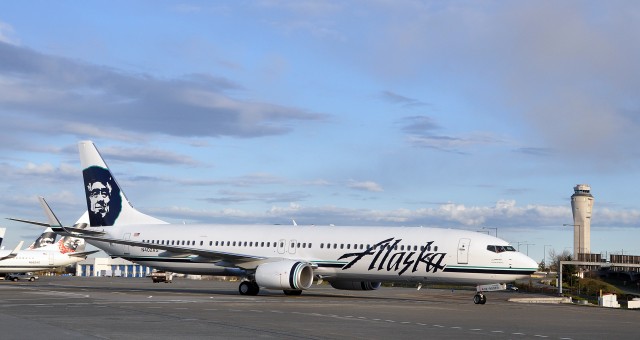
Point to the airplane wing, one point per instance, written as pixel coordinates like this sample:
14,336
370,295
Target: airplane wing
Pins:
218,257
13,253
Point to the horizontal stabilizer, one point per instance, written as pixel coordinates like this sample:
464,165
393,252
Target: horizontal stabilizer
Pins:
83,254
30,222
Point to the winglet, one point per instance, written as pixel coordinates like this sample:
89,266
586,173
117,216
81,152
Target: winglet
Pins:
13,253
53,219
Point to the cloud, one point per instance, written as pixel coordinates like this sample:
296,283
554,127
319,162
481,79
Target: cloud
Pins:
146,155
233,197
365,186
6,33
84,99
419,125
395,98
570,84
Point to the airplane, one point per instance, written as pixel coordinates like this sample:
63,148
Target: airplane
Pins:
44,253
2,232
289,258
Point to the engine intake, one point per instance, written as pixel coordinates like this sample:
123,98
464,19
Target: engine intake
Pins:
355,285
285,275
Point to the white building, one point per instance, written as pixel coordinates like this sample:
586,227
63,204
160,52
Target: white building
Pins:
105,266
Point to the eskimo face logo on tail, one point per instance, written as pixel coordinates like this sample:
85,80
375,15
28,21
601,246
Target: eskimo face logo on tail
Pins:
45,239
69,244
103,196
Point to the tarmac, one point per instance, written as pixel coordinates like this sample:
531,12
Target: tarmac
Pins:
128,308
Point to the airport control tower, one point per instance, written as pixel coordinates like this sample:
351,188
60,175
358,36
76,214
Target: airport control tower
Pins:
581,205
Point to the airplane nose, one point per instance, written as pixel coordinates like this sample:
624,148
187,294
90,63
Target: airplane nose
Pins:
528,262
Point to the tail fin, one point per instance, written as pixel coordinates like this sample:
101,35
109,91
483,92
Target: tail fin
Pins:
2,232
106,202
46,238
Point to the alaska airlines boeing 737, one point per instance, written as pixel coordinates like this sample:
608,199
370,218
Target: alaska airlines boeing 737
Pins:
288,258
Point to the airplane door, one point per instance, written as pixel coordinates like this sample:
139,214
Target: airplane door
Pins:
281,245
127,236
51,258
292,246
463,251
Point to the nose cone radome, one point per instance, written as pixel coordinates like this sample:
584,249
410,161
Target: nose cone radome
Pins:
528,264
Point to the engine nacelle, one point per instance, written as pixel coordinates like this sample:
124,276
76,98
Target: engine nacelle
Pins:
355,285
285,275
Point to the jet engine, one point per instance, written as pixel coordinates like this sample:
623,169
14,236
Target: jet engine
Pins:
355,285
285,275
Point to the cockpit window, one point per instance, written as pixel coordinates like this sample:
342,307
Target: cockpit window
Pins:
500,249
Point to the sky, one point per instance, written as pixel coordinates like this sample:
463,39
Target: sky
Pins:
476,115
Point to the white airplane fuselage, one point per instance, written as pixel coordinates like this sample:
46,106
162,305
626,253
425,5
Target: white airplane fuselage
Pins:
413,254
37,259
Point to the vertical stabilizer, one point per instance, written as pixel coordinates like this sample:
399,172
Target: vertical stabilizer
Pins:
2,231
106,202
46,238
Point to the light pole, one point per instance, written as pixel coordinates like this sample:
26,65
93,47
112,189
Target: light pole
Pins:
496,229
577,256
529,244
519,243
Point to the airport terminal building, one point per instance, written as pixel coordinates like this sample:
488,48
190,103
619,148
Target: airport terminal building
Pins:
105,266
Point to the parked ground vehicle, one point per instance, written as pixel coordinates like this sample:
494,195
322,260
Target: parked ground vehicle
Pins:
512,287
161,276
21,276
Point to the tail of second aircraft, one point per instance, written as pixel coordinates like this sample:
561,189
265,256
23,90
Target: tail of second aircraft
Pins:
46,238
106,202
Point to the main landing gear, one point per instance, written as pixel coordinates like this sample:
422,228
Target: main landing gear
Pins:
479,299
248,288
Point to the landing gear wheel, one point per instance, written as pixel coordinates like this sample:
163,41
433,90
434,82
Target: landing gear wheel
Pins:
479,299
292,292
248,288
